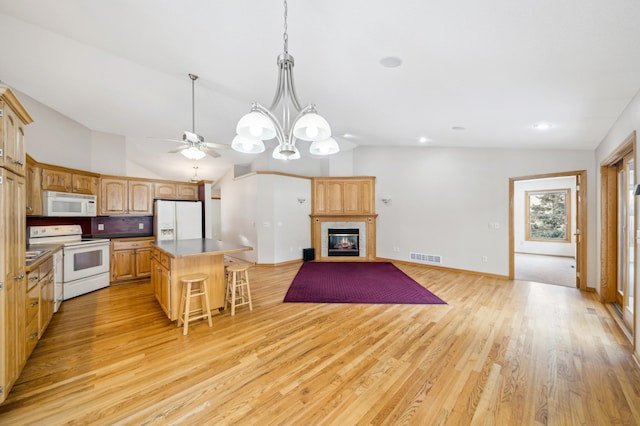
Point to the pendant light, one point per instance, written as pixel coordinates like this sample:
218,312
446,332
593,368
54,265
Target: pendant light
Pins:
260,124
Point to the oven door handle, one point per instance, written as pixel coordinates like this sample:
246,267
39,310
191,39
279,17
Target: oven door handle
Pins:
84,246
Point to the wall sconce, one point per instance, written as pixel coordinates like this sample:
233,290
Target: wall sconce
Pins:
387,201
301,200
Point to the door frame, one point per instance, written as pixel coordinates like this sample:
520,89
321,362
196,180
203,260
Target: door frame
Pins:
581,215
609,228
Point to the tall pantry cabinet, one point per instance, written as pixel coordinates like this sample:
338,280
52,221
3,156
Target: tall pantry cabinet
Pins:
13,353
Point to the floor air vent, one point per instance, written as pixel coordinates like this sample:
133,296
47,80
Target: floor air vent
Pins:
426,258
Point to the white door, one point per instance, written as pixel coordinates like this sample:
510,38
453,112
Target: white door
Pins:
164,220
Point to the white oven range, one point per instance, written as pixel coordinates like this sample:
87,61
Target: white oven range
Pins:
85,260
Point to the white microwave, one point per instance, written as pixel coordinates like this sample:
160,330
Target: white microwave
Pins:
67,204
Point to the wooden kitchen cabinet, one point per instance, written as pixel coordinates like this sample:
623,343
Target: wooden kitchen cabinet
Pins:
34,188
56,180
343,195
84,184
187,191
140,198
39,302
176,191
130,259
161,279
65,181
13,120
124,196
13,277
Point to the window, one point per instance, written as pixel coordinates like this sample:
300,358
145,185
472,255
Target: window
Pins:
548,215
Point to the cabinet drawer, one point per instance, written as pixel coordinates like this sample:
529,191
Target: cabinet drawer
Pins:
130,245
32,335
164,260
33,302
32,278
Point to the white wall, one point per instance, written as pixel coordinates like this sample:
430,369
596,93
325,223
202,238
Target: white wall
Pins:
559,248
443,200
238,213
109,153
272,221
54,138
628,122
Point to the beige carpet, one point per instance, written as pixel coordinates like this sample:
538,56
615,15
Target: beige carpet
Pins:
545,269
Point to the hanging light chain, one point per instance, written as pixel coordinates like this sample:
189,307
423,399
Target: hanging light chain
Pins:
285,36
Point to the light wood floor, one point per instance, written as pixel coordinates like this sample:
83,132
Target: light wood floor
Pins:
501,352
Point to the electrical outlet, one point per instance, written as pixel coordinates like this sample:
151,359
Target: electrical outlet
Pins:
141,226
101,227
485,259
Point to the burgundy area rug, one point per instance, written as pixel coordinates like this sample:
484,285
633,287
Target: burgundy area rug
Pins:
356,282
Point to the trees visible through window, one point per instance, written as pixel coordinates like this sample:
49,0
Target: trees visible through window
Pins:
548,215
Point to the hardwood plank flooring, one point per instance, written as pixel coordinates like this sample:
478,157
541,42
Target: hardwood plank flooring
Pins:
500,352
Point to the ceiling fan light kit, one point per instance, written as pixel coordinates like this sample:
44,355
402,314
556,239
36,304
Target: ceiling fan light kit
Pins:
193,153
260,124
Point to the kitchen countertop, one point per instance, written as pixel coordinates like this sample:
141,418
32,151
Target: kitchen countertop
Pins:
48,249
198,246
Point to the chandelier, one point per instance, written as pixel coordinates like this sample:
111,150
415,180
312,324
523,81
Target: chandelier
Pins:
260,124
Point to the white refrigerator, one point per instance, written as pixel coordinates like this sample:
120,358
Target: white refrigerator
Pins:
177,220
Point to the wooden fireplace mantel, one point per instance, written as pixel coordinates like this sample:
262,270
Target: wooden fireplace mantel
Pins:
343,199
317,235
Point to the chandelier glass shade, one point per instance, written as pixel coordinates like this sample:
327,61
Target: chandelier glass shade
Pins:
260,124
324,147
248,145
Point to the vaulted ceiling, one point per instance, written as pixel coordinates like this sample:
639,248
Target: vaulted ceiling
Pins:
492,67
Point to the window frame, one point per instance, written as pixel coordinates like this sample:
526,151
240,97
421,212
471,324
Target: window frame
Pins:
567,215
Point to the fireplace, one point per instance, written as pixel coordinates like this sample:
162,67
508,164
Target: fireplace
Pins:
343,242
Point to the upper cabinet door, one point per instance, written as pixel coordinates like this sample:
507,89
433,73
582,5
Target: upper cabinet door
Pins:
166,191
13,119
56,180
113,196
140,198
13,155
84,184
187,191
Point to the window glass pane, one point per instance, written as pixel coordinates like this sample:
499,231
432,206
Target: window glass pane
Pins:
548,215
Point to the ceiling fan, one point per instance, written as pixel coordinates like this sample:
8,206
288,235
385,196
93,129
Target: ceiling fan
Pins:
194,147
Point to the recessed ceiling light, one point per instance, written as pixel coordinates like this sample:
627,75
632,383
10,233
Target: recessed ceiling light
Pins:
391,62
458,128
348,135
423,139
543,125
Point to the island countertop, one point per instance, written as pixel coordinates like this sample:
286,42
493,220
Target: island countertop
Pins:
180,248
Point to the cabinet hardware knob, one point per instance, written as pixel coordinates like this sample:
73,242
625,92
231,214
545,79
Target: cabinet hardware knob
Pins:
36,303
33,336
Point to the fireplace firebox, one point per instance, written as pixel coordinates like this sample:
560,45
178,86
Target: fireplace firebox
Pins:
343,242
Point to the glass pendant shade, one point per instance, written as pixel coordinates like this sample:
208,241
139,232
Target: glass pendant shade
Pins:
312,127
280,151
324,147
255,125
193,153
247,145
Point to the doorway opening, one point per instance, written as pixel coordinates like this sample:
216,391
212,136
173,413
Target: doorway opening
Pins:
618,254
547,223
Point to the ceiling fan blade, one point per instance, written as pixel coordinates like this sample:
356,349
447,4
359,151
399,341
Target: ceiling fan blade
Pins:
216,145
211,152
167,139
173,151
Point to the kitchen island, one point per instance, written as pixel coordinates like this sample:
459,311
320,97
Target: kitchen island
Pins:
172,259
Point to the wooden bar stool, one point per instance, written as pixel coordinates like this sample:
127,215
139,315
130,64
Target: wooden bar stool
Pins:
237,292
194,285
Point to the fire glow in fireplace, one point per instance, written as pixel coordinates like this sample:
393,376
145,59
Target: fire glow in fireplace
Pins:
343,242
